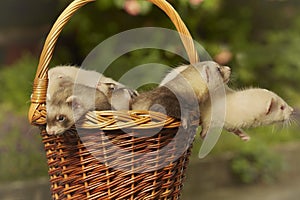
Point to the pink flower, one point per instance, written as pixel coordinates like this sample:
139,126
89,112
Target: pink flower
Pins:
196,2
224,57
132,7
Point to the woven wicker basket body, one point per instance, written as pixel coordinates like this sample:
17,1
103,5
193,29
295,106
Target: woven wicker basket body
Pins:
118,165
114,155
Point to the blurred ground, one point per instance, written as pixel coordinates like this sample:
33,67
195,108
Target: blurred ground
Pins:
209,179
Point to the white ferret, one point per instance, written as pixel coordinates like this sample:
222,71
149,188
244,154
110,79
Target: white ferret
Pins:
183,89
248,108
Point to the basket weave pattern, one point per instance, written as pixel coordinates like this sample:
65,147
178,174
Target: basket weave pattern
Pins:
110,164
114,155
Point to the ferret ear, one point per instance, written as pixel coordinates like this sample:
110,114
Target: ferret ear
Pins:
73,101
270,106
205,73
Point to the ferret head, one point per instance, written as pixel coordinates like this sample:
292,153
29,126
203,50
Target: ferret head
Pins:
213,73
205,77
59,119
62,115
276,110
196,80
206,68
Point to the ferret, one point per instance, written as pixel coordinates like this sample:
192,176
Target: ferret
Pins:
85,77
183,89
69,103
109,87
81,76
246,109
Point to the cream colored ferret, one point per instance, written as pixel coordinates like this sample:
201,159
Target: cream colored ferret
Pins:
248,108
119,96
80,76
183,89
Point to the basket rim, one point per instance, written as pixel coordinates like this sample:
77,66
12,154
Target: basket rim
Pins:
127,119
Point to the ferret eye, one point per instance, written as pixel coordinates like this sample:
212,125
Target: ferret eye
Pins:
111,86
219,70
282,107
60,118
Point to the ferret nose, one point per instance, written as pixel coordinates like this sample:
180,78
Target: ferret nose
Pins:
227,68
50,132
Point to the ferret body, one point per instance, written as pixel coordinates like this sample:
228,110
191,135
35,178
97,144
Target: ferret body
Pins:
183,89
122,96
80,76
69,103
246,109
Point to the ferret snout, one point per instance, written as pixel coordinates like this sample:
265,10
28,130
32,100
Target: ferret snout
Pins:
291,111
295,112
53,131
226,71
50,131
287,115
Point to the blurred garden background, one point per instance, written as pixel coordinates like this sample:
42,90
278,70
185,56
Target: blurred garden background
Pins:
258,39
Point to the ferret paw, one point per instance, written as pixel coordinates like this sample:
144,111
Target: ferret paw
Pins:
203,134
245,138
242,135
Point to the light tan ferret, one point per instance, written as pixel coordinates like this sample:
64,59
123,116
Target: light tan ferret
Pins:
246,109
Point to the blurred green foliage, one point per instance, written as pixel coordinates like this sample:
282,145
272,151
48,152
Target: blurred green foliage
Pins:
16,84
256,163
21,152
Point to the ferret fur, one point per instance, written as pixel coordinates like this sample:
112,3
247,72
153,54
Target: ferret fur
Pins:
80,76
246,109
122,96
183,89
69,103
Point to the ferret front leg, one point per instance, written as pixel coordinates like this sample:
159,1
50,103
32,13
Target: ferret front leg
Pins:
203,132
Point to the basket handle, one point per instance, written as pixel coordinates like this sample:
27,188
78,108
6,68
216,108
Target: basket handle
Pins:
37,110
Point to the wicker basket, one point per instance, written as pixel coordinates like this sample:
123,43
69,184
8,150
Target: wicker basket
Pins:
119,155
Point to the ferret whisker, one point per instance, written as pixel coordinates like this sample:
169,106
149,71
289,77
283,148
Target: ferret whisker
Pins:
294,120
278,128
290,122
286,124
273,129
